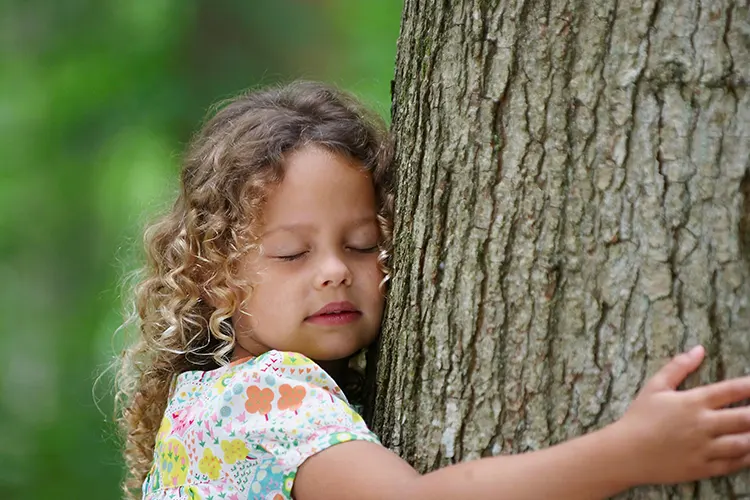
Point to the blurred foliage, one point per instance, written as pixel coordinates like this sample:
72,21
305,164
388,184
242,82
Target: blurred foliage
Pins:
97,100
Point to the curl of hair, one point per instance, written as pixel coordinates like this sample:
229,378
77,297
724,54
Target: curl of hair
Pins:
189,287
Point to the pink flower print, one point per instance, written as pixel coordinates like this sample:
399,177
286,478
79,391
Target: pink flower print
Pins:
258,400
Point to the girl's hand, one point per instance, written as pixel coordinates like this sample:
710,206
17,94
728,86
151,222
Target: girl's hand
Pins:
678,436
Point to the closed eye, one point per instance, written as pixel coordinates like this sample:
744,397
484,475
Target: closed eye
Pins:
289,258
365,250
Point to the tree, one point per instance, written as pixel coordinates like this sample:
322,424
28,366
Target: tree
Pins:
572,211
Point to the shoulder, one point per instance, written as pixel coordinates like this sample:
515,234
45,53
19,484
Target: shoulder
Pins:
287,404
290,380
272,370
272,411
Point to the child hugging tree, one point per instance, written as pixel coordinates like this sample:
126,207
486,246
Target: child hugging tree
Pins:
269,273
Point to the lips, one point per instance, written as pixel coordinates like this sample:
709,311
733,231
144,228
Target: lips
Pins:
335,313
336,308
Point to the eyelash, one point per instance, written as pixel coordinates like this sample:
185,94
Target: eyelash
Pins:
292,258
366,250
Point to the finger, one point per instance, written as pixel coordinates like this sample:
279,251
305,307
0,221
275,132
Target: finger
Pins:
730,421
674,372
730,446
724,467
726,392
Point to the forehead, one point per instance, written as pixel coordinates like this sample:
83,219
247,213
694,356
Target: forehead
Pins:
320,187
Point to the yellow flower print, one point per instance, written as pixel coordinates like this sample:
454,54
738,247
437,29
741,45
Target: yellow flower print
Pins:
356,418
223,381
173,462
341,437
210,465
234,450
164,428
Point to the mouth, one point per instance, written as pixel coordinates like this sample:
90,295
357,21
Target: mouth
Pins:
335,313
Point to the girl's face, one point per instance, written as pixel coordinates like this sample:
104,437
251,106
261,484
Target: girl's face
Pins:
316,278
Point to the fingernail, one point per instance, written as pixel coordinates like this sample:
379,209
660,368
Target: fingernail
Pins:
695,350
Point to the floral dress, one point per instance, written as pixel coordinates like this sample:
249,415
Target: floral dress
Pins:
241,431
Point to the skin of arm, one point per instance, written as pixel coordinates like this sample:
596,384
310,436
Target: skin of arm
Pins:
588,467
666,437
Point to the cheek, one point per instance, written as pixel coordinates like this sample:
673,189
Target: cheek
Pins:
372,273
266,308
279,294
266,294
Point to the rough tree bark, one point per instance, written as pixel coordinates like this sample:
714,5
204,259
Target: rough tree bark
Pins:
572,210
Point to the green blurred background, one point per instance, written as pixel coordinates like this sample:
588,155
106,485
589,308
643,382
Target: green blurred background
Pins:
97,100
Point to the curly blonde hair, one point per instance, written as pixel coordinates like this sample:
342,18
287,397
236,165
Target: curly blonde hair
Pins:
186,298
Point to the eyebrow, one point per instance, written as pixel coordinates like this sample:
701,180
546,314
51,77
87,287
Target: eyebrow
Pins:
359,222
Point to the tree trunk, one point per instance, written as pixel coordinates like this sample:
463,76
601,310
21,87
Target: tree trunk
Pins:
572,210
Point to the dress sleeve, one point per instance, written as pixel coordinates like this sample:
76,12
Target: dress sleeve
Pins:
308,411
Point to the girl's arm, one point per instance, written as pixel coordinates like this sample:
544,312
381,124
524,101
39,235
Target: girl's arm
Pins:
667,436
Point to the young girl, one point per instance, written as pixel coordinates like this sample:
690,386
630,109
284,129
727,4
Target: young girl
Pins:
269,274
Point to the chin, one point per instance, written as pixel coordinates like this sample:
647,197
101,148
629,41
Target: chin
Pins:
338,352
332,355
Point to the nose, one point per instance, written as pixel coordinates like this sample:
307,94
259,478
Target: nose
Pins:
333,271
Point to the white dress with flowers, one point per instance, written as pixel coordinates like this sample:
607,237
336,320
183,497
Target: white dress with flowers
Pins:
241,431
